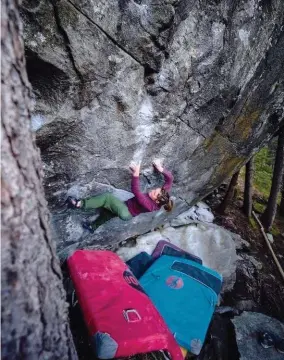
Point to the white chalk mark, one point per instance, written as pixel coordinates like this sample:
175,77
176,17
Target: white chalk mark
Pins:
144,129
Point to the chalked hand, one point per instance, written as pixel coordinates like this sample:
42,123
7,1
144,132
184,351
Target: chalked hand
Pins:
135,168
157,163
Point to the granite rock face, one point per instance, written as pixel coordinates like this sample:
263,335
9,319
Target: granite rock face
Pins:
248,326
199,84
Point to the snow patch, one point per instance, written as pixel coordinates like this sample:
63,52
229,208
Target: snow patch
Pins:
144,129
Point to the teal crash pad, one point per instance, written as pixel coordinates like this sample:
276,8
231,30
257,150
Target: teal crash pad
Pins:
185,293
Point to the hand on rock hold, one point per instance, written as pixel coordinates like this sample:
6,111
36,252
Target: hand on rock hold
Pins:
157,163
135,168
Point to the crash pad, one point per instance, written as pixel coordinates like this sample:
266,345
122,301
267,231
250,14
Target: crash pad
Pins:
121,319
185,293
166,248
139,263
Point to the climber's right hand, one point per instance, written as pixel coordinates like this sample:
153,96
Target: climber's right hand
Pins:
135,169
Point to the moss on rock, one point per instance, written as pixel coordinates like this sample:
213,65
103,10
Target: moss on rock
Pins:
244,124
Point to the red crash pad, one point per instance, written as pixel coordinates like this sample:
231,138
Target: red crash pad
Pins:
121,319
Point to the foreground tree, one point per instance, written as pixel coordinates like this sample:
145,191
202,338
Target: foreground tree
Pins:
268,216
248,188
281,208
229,194
34,311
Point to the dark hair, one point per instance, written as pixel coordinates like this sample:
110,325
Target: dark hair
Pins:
164,200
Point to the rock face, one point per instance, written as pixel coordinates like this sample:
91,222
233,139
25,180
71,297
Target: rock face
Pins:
70,235
199,84
247,328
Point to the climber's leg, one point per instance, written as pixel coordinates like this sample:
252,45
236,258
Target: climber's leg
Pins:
109,202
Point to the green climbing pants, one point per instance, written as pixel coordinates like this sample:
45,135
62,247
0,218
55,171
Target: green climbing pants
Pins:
111,207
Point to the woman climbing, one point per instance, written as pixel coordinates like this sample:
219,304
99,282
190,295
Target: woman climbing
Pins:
140,203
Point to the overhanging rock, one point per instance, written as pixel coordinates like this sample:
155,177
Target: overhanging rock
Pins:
199,84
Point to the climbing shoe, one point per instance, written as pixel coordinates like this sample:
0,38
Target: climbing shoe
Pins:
266,340
88,226
73,203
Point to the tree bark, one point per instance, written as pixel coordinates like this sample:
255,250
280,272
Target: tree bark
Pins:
34,311
281,207
248,188
229,194
268,216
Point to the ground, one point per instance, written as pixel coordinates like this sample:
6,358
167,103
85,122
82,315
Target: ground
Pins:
267,289
264,286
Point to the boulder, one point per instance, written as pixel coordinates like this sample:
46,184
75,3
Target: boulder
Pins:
247,327
199,212
199,84
182,80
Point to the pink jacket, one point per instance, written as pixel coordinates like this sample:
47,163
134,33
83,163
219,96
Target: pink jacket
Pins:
141,202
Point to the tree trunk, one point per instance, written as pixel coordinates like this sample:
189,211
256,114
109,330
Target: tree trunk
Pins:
281,207
229,195
34,311
268,216
248,188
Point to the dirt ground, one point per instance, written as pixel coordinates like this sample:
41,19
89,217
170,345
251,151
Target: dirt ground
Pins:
267,285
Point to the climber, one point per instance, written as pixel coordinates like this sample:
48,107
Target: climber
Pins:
140,203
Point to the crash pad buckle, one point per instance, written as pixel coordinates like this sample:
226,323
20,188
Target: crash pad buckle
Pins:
131,315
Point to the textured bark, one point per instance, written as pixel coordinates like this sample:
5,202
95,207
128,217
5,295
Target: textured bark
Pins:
248,188
229,195
34,311
268,216
281,208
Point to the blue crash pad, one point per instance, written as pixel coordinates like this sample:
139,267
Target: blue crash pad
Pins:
185,293
139,263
